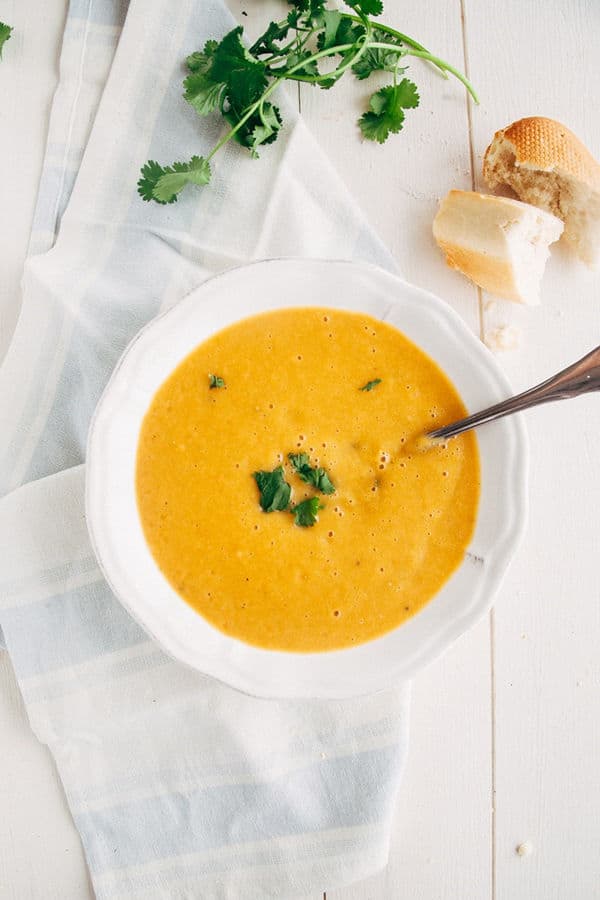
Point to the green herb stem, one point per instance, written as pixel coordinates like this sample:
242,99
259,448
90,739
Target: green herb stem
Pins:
440,62
387,29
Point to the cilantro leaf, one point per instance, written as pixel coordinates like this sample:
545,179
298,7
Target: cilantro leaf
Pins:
299,460
349,32
151,174
215,381
311,67
246,86
275,492
203,93
312,9
306,513
406,94
201,90
175,178
293,17
370,385
202,61
244,75
386,114
266,131
331,22
339,30
5,33
266,43
374,59
261,128
318,477
366,7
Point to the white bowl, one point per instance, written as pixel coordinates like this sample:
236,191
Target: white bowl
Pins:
112,513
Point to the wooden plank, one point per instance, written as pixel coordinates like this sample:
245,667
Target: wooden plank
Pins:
442,831
548,615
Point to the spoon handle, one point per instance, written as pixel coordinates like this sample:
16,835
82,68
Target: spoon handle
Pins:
581,377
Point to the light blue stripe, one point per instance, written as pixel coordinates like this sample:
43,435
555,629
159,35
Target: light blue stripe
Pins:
343,792
96,344
16,589
328,849
65,630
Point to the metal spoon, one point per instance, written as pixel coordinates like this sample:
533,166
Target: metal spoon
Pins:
581,377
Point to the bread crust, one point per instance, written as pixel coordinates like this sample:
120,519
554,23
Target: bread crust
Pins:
473,231
492,274
545,144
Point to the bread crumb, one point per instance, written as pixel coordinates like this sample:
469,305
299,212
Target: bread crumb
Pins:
524,849
505,337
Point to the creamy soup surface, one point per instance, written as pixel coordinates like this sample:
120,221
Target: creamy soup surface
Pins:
385,541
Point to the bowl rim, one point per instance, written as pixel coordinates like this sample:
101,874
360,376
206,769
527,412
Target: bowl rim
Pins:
243,680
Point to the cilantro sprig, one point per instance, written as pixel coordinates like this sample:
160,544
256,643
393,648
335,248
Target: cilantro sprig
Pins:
306,513
370,385
274,490
315,476
228,78
5,33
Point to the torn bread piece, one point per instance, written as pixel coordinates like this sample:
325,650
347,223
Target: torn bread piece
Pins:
546,164
500,244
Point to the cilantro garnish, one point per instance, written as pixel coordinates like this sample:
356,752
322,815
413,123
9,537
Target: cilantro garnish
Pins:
236,82
215,381
306,513
5,33
275,492
370,385
317,477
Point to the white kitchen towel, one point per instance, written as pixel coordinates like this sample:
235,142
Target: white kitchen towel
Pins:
180,787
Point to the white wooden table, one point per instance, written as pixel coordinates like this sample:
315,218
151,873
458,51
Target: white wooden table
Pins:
505,745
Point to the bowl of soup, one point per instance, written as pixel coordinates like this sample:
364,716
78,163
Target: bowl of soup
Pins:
258,494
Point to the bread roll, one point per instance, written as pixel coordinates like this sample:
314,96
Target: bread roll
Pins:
547,165
500,244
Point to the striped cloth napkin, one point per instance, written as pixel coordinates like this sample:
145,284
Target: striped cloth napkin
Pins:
180,787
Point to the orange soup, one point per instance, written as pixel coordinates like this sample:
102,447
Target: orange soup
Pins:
315,414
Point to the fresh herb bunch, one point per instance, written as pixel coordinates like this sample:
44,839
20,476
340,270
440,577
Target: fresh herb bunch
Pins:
229,78
5,33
